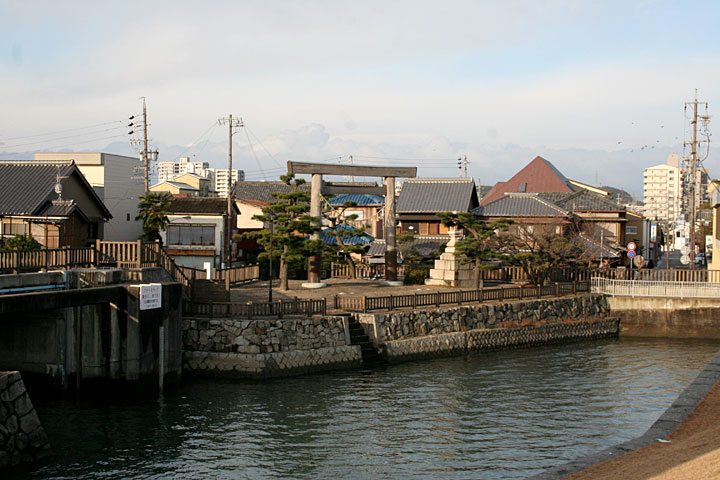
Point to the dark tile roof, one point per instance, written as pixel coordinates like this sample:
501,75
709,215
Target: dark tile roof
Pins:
262,191
583,201
59,208
514,205
26,187
424,245
198,205
433,195
358,198
537,176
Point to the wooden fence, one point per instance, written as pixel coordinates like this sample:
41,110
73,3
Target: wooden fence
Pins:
17,261
366,271
252,310
457,297
515,274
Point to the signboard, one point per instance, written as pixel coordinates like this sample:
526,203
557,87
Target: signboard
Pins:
638,261
150,296
631,246
631,254
685,259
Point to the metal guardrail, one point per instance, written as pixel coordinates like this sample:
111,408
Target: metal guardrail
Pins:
658,289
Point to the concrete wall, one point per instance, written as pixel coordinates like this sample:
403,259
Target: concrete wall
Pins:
265,348
667,317
22,438
103,337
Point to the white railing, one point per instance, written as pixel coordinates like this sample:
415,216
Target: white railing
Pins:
645,288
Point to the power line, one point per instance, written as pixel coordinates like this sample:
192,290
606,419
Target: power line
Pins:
62,131
62,138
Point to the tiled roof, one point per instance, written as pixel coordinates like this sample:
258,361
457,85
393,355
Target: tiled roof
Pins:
358,198
329,239
262,191
515,205
59,208
583,201
26,187
537,176
424,245
433,195
199,205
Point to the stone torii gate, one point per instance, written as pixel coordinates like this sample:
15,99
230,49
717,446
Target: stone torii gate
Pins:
317,188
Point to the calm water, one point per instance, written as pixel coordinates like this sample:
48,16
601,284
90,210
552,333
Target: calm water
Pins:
501,415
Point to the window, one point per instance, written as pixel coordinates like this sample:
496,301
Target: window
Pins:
191,235
630,230
14,228
522,187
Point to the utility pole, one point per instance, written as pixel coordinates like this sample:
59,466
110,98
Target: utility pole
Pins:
693,177
232,124
146,155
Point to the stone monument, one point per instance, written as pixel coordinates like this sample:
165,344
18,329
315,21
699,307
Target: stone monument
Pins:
449,270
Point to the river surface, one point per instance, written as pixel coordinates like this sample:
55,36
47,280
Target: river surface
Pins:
504,415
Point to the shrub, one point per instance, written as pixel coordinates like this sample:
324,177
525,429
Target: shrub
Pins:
416,276
20,242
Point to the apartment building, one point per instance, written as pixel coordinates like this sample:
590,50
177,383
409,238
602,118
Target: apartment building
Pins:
662,190
169,171
221,181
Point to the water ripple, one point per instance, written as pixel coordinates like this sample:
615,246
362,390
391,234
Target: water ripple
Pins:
497,415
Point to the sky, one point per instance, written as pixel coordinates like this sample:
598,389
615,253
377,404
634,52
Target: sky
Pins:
597,88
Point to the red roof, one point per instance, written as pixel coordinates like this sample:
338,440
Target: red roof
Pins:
538,176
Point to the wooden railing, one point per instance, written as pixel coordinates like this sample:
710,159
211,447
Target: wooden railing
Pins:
16,261
457,297
252,310
238,274
366,271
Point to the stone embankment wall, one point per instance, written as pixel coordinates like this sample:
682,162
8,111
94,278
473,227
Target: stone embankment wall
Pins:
454,331
265,348
22,438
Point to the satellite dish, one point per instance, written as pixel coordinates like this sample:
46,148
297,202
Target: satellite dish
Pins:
58,188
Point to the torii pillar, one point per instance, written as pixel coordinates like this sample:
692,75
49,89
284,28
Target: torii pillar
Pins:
317,170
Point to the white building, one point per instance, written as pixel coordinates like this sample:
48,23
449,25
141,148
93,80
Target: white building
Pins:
662,190
168,171
118,181
221,181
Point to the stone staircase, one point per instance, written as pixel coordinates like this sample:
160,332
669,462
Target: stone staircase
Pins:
370,355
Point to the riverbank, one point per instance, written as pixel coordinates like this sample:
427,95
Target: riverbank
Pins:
684,443
691,452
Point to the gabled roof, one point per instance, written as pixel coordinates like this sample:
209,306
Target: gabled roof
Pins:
198,205
537,176
514,205
62,208
583,201
26,187
262,191
433,195
358,198
180,185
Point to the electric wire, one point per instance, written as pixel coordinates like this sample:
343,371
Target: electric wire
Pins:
61,131
61,138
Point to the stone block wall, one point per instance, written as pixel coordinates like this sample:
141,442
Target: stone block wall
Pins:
262,348
454,344
22,438
401,325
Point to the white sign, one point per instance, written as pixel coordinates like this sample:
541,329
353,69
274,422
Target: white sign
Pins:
150,296
631,246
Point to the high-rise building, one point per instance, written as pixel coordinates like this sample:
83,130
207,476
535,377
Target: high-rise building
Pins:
221,181
168,171
662,190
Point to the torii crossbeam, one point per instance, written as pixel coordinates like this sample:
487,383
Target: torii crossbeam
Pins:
317,170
